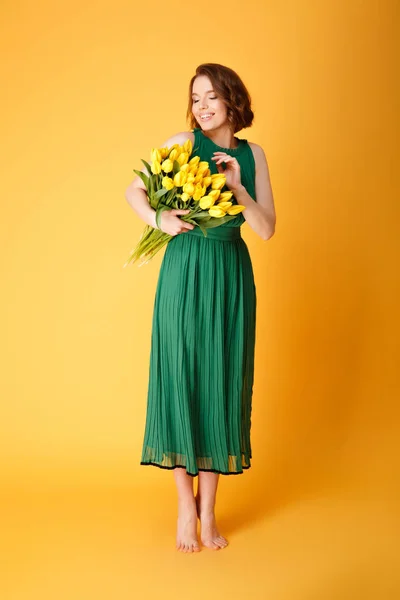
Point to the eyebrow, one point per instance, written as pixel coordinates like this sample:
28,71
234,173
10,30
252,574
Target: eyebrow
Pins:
207,92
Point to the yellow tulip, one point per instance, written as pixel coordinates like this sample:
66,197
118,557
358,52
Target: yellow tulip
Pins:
156,155
206,202
225,196
183,158
180,179
189,188
193,162
235,209
185,197
167,165
216,211
164,152
206,181
202,173
155,167
217,184
198,178
187,147
215,194
173,155
190,177
198,192
224,205
168,183
185,168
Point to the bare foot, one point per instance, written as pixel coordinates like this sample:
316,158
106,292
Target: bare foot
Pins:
210,536
186,537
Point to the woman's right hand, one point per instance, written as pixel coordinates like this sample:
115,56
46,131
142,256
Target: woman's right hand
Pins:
171,223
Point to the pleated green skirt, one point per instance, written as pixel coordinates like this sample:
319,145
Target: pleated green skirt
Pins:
202,355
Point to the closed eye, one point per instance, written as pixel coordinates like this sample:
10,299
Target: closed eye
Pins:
211,98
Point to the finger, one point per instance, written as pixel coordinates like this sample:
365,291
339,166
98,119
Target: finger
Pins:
187,225
226,161
180,211
222,155
224,158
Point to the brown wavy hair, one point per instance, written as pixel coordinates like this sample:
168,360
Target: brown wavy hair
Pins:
228,85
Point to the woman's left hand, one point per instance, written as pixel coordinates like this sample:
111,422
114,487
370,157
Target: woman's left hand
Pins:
232,170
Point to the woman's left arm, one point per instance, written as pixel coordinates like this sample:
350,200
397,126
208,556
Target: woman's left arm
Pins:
260,215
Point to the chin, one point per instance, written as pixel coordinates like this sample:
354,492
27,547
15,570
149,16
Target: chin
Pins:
207,125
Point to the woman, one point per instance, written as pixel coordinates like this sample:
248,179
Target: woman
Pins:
203,334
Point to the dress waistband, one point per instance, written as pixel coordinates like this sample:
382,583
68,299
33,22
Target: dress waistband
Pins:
217,233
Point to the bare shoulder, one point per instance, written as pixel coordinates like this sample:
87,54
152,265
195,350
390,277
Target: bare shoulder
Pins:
179,138
258,153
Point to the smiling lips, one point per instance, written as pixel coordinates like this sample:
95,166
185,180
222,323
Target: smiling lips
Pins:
206,117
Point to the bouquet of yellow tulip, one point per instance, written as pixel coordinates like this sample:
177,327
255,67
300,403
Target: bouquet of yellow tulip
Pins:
177,180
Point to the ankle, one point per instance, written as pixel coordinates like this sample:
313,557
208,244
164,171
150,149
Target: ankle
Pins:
206,507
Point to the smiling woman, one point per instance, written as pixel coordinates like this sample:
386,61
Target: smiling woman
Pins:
221,93
199,401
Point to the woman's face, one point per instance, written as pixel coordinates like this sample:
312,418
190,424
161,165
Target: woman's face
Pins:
205,102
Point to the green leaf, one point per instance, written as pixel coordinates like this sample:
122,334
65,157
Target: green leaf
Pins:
176,168
160,209
148,167
152,188
192,221
217,221
153,202
204,230
142,176
160,193
203,213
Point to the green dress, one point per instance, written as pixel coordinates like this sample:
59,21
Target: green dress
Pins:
202,343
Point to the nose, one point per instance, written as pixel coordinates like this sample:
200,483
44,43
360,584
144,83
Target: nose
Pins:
203,104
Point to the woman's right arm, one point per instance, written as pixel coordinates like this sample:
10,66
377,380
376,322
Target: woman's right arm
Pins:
136,197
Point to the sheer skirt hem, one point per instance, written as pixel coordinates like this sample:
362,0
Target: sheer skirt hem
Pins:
154,464
171,460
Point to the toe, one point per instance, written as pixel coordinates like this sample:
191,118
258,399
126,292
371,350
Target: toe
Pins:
222,540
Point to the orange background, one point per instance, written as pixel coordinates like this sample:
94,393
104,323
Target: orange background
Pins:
88,89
